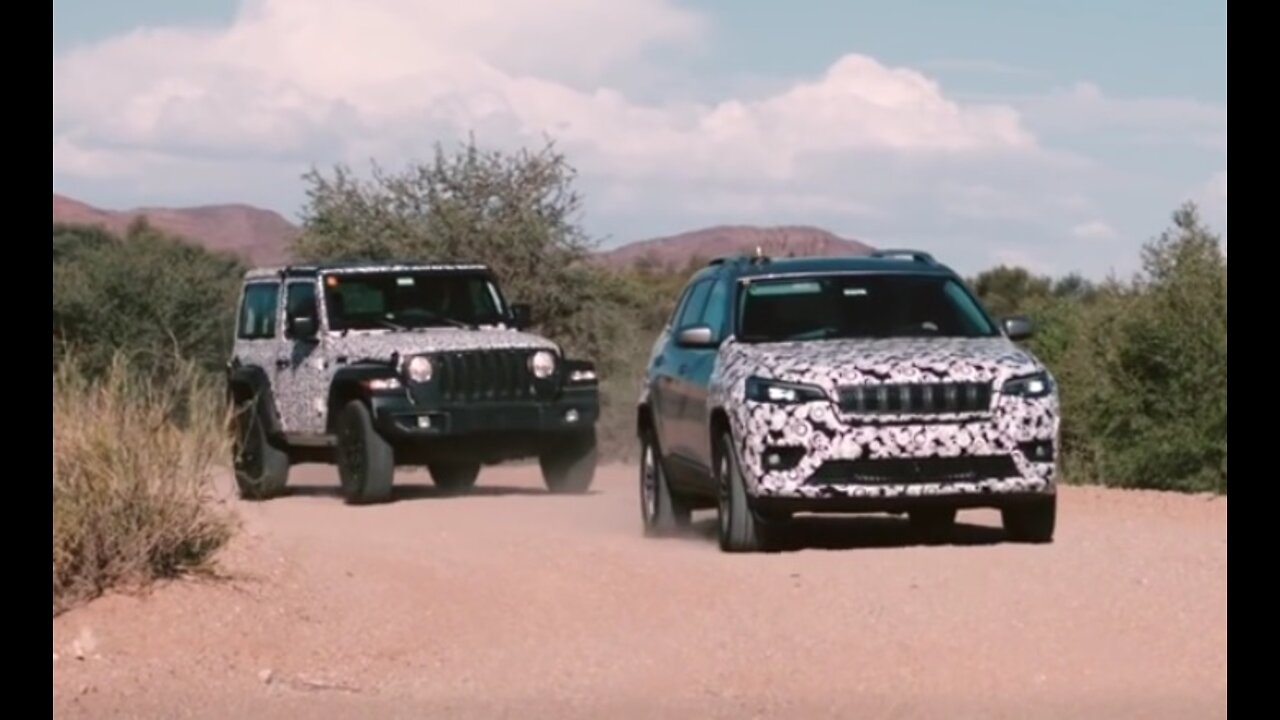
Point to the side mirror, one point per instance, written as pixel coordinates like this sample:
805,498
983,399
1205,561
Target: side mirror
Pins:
697,336
521,315
302,327
1018,327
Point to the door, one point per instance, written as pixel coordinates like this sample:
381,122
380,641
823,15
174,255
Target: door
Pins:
681,390
664,402
699,364
301,377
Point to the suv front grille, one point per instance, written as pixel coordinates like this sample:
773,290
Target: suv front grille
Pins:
916,398
908,471
484,375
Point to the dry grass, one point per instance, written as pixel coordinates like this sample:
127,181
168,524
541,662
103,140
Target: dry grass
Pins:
133,499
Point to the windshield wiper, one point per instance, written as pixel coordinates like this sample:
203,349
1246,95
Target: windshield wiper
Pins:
440,319
392,325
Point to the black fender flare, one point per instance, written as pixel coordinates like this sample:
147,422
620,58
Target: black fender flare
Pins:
349,384
248,381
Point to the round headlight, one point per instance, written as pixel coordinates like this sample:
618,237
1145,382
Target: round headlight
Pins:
420,369
542,364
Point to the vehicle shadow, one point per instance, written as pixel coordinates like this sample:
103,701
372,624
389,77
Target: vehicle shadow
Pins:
852,532
418,491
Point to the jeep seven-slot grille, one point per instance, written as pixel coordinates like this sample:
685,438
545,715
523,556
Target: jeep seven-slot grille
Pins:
484,375
916,398
907,471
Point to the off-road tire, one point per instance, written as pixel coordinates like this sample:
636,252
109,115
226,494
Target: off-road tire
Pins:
569,463
261,468
740,529
453,478
1032,522
366,461
662,511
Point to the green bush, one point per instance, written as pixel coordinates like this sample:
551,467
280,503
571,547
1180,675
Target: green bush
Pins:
155,297
1142,365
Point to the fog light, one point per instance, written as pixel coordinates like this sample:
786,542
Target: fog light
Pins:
777,457
571,415
1038,451
424,422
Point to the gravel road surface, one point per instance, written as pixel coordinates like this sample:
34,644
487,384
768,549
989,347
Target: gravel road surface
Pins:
513,603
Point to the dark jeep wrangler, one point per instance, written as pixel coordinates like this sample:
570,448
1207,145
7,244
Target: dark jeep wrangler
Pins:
377,365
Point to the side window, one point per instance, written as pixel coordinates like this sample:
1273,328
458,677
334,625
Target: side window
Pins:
258,311
713,315
300,299
680,303
693,306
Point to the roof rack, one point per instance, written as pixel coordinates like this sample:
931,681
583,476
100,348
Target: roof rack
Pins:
758,257
917,255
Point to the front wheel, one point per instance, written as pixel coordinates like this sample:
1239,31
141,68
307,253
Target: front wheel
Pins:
454,478
366,462
741,529
569,462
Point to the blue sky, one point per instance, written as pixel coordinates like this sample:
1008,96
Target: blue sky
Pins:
1056,134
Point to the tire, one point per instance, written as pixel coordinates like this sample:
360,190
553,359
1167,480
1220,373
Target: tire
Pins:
1033,522
663,512
933,524
740,529
366,462
261,468
454,478
569,464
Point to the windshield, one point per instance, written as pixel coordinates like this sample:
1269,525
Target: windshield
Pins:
886,305
404,300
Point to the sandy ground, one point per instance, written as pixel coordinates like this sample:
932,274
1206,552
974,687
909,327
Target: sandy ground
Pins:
514,603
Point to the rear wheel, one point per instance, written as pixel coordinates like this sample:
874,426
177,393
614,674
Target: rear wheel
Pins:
366,462
454,478
569,463
1033,522
261,468
662,511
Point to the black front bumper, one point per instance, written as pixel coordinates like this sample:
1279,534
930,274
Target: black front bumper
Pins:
398,418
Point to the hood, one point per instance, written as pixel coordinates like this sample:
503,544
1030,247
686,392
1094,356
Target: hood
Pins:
382,344
832,363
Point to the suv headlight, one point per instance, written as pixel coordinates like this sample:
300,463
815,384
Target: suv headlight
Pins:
1028,386
781,392
542,364
419,369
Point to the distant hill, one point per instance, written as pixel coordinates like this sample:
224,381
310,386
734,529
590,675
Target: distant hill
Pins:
262,237
676,251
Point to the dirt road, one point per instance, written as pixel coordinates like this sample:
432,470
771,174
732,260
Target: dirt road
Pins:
514,603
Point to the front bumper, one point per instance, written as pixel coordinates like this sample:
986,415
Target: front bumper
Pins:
399,418
813,457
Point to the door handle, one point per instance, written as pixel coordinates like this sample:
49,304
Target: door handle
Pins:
683,367
282,363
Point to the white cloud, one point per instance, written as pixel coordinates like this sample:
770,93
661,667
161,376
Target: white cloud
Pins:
1093,230
177,114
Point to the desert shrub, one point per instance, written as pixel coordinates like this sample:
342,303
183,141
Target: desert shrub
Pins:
132,461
